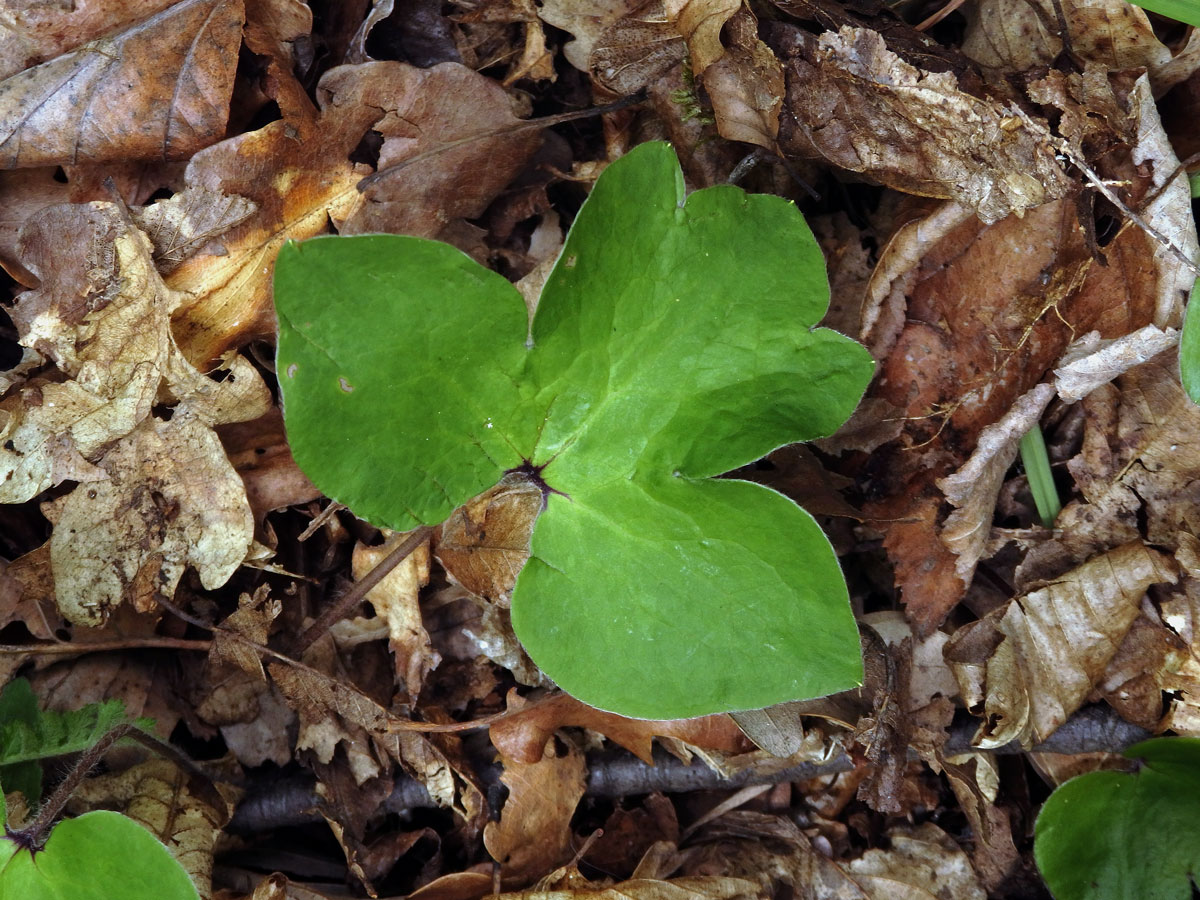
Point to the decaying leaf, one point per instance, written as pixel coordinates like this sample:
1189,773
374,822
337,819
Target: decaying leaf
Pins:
862,108
745,84
534,835
171,500
169,494
158,90
699,22
35,32
1022,34
1045,652
180,225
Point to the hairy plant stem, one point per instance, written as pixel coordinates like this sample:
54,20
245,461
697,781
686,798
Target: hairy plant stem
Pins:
33,836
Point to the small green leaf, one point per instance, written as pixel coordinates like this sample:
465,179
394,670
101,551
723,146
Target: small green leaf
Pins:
97,856
674,341
1189,346
1180,10
1117,835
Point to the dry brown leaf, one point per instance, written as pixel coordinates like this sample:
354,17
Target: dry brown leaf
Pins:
699,22
995,855
158,90
1091,361
923,863
1046,651
396,601
585,22
636,50
484,544
1017,35
745,85
259,453
35,32
1180,673
267,737
522,735
974,317
103,318
298,173
534,835
1138,468
171,500
862,108
156,795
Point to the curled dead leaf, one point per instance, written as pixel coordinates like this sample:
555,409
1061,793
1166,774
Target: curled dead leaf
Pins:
1043,653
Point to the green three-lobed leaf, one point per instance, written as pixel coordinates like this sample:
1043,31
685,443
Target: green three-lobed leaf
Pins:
673,342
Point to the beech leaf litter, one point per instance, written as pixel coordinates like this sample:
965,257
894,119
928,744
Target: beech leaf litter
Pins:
1001,193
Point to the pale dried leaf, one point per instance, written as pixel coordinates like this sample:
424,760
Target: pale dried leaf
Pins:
1169,210
1091,361
1181,670
158,90
636,50
920,862
585,22
180,225
931,676
268,737
534,834
396,601
485,543
171,500
861,107
1023,34
1049,648
972,490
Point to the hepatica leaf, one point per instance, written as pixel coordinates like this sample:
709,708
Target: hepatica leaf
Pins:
1117,835
673,342
98,856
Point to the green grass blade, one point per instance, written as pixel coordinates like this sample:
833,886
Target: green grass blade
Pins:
1041,481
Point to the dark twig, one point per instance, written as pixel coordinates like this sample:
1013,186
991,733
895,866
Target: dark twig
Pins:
338,610
611,774
528,125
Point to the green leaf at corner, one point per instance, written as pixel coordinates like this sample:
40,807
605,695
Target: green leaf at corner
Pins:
1189,346
673,342
97,856
1180,10
1117,835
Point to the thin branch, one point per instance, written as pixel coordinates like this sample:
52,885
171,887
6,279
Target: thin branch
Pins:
342,607
529,125
1064,148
